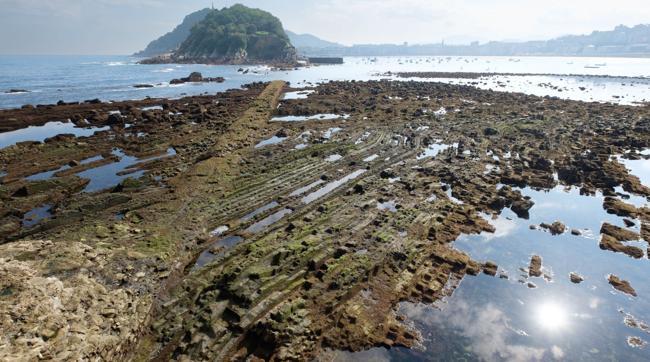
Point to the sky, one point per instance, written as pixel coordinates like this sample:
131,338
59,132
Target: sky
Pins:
125,26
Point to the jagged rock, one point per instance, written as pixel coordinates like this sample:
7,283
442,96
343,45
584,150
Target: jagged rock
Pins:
490,268
556,228
621,285
576,278
521,208
535,268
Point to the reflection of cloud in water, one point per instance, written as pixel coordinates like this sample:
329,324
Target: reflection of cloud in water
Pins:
594,303
373,355
557,352
503,227
555,205
486,329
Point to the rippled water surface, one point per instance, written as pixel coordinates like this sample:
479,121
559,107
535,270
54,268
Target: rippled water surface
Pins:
48,79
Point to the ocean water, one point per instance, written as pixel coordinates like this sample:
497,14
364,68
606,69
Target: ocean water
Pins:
48,79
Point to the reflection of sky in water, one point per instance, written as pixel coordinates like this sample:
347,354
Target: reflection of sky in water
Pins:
49,174
315,117
106,176
37,215
268,221
208,255
331,187
303,94
260,210
492,319
271,141
40,133
639,168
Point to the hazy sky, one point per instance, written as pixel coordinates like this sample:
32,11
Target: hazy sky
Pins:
125,26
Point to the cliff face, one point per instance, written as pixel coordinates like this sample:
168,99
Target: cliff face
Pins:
237,35
170,42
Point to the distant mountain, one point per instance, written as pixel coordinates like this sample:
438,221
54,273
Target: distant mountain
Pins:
171,41
622,41
309,41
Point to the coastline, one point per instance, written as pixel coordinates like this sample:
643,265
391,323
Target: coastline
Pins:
280,256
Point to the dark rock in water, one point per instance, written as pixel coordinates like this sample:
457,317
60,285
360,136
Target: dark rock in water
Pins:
612,237
93,101
556,228
535,268
621,285
490,268
64,137
576,278
143,86
17,91
196,77
629,223
521,208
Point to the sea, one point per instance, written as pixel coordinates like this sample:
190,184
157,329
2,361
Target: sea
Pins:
487,318
49,79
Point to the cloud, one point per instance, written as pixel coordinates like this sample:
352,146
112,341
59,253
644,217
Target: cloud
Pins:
125,25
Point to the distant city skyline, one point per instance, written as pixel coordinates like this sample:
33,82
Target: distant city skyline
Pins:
125,26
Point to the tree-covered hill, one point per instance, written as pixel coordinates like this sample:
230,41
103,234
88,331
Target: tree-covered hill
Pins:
237,34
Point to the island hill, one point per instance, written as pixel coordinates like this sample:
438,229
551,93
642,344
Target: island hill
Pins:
234,35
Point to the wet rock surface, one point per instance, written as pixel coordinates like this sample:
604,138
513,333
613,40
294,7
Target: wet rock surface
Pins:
621,285
324,267
535,268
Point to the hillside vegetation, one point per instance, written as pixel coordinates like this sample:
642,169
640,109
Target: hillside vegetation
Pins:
238,34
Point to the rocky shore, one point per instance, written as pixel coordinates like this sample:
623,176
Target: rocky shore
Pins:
263,238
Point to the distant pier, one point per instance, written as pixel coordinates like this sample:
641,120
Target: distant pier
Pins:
326,60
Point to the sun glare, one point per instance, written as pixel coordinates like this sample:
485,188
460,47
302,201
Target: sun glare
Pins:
552,316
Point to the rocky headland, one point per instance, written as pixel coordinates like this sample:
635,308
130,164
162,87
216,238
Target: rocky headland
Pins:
234,35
